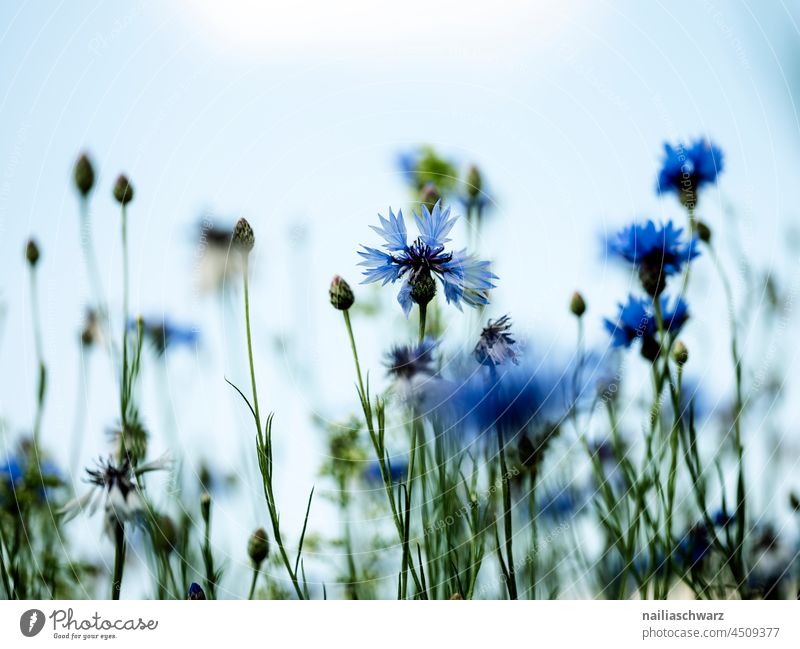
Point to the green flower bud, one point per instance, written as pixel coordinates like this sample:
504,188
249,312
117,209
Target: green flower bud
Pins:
577,304
679,353
258,547
123,190
703,232
83,174
341,294
423,289
429,196
32,253
205,507
243,235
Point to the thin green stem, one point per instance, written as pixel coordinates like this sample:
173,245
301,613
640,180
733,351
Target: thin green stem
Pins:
423,313
119,559
253,583
41,386
245,275
511,581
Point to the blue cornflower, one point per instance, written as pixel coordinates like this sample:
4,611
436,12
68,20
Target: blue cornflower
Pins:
496,345
637,321
413,372
18,474
656,252
464,277
561,502
685,170
164,334
196,591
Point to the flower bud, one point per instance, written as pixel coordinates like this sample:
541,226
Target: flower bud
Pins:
679,353
703,232
456,596
165,535
429,196
577,304
258,547
474,182
423,289
123,190
243,235
196,592
205,507
341,294
32,253
83,174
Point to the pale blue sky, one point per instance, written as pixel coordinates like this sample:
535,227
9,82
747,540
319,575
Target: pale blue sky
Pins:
291,116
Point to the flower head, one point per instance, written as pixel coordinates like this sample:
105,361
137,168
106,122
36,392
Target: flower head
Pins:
686,170
341,294
397,469
83,174
656,252
636,320
123,190
412,369
196,592
163,333
118,484
463,277
496,344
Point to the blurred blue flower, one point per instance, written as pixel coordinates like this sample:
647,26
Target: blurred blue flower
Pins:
656,252
560,502
686,170
636,321
496,345
464,277
164,334
17,474
196,592
398,469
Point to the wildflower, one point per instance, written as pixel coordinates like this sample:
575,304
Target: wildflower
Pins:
496,345
636,321
685,171
32,253
258,547
577,305
412,369
558,503
123,190
164,334
341,294
118,483
656,252
196,592
23,473
464,278
83,174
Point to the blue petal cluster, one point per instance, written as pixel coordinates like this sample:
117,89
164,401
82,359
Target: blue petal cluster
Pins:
637,321
463,277
686,170
656,252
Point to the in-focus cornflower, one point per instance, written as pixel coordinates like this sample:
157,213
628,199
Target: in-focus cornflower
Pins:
196,592
496,344
398,469
656,252
164,334
464,277
118,484
637,321
686,170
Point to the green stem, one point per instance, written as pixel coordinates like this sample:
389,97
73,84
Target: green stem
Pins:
253,583
125,384
41,387
119,559
423,312
250,344
511,581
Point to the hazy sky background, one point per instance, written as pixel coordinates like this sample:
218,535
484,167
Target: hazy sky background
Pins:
292,114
